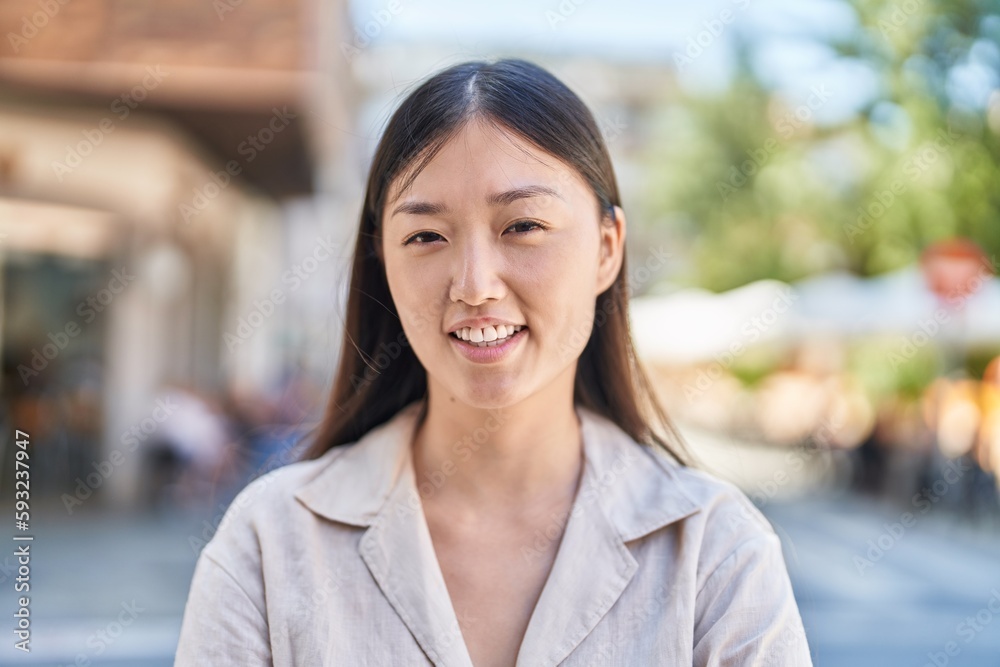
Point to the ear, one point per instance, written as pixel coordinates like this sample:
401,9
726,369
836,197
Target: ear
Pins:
612,250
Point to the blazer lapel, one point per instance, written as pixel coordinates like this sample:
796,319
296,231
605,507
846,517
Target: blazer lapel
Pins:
399,553
371,484
591,569
623,495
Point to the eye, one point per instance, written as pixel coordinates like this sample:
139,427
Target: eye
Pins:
418,235
521,227
523,223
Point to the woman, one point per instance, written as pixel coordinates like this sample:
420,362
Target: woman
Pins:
485,488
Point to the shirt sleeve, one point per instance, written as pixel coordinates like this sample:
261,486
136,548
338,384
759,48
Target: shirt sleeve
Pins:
223,626
745,613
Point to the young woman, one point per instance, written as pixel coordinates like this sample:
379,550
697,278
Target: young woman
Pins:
486,488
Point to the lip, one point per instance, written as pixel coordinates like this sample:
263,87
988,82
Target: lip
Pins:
489,355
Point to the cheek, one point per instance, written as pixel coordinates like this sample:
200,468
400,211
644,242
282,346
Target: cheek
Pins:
398,289
418,302
558,290
562,264
404,295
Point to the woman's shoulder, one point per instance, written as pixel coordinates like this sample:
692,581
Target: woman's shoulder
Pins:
718,498
274,491
724,521
728,538
650,490
265,505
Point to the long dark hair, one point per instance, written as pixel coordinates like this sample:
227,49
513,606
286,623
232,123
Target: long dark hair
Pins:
378,372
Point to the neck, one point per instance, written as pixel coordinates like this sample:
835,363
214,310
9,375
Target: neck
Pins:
512,458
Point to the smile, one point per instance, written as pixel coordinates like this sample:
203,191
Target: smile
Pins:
488,336
488,351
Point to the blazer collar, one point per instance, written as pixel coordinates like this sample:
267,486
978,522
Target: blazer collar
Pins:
627,492
642,492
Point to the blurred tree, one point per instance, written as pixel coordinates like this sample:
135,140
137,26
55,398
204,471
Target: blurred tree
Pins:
759,190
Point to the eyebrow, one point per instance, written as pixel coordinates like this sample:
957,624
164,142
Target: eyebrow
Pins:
496,199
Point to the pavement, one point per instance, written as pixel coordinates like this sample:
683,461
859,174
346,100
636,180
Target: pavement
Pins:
109,589
106,589
883,585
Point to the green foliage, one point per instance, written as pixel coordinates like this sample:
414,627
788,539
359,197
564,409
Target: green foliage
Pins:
978,358
890,367
766,193
759,362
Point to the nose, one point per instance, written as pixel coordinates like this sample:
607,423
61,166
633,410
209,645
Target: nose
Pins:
478,265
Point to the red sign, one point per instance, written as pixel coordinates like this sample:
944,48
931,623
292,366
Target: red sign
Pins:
955,268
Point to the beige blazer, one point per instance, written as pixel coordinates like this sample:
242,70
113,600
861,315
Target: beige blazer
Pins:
330,562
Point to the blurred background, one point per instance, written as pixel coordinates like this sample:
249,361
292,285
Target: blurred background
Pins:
813,193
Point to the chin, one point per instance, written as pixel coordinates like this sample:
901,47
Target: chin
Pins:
488,394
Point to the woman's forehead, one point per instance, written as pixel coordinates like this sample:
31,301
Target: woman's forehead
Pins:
486,159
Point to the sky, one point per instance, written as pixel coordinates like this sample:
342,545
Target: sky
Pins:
696,39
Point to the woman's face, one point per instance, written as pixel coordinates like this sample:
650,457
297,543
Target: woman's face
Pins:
495,229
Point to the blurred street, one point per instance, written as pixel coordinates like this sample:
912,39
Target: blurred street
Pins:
909,602
89,572
106,590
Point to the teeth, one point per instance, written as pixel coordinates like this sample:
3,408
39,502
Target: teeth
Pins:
489,336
